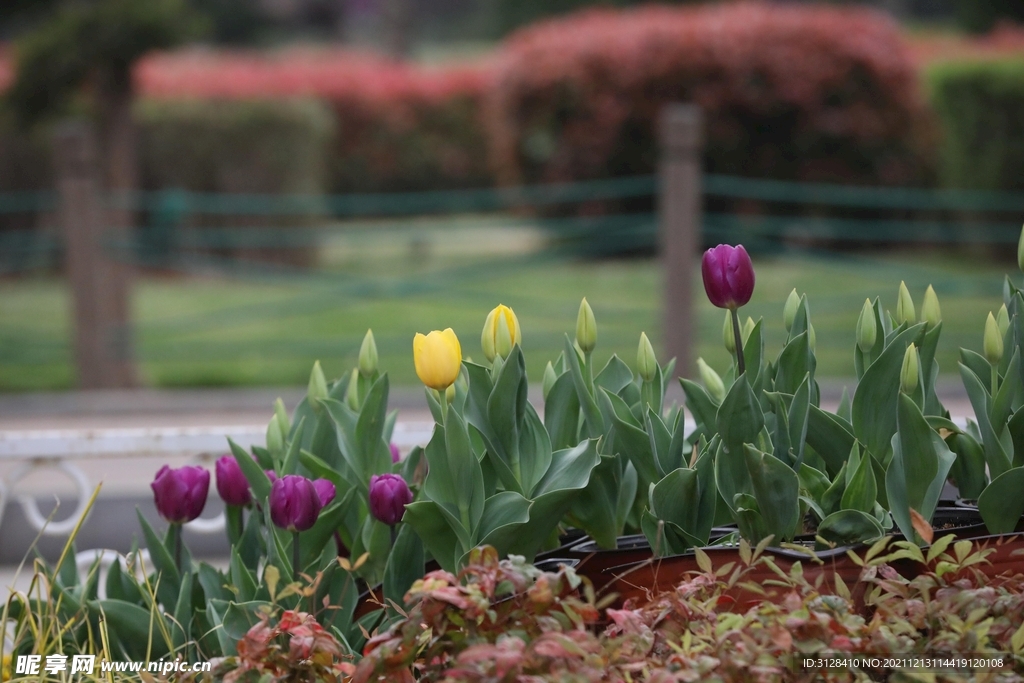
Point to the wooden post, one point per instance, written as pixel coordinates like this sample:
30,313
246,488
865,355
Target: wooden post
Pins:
99,281
679,216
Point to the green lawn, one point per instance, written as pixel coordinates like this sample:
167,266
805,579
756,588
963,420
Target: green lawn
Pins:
268,331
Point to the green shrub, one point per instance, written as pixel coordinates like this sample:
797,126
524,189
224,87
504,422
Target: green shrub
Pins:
979,105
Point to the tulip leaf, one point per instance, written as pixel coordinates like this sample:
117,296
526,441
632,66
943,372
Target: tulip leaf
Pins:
685,498
506,408
739,419
996,457
134,628
213,582
291,458
1006,395
977,364
241,578
798,418
240,617
312,541
597,508
701,405
615,376
777,490
1015,427
813,481
592,418
163,562
1001,503
861,488
918,470
405,564
677,452
830,436
437,533
796,363
661,441
257,478
848,527
561,413
181,630
753,351
374,456
968,469
731,476
535,450
506,515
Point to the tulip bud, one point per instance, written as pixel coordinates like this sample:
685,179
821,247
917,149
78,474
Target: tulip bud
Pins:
712,381
728,336
748,327
993,341
646,361
368,355
275,440
790,309
352,392
271,475
232,485
503,339
812,339
867,327
325,491
180,494
549,379
487,336
930,311
294,503
586,327
728,276
438,358
317,387
389,494
909,371
1003,320
396,454
905,306
495,341
281,414
1020,251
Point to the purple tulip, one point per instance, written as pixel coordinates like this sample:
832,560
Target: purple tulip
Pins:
271,475
396,455
180,495
728,276
294,503
232,485
325,491
389,494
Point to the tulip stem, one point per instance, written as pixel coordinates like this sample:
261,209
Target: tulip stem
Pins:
295,555
177,546
995,380
740,363
394,536
444,407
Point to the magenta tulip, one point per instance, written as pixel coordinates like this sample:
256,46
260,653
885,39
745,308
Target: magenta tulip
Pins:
728,276
271,475
180,495
396,455
389,494
232,485
294,503
325,491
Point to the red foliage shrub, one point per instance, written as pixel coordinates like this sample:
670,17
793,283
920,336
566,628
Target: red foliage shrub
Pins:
399,126
810,93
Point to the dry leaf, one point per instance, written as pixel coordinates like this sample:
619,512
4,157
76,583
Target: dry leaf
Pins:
922,526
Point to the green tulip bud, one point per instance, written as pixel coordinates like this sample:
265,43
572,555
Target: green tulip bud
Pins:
1020,251
1003,320
728,336
993,341
812,339
487,337
275,439
281,414
317,389
352,391
549,379
867,328
748,327
368,355
586,327
790,309
503,338
909,371
930,311
905,306
646,361
712,381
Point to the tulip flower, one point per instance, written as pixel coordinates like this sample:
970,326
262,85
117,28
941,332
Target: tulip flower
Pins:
867,327
992,341
501,332
317,389
729,282
368,355
909,373
712,381
790,309
180,496
586,327
325,491
549,379
646,361
1003,320
294,505
232,485
396,455
438,358
389,494
930,311
905,312
275,439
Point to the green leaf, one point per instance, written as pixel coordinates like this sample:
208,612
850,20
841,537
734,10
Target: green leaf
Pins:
968,469
739,419
1001,504
181,631
405,564
535,450
861,489
701,405
830,436
777,490
615,376
313,541
848,527
213,582
561,413
131,624
436,532
240,617
506,409
374,454
796,363
596,509
799,417
592,418
996,457
170,579
257,478
241,578
505,515
291,458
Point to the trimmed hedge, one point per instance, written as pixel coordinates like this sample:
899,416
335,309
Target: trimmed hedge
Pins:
979,105
797,92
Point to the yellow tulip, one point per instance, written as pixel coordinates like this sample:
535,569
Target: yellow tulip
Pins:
438,358
497,339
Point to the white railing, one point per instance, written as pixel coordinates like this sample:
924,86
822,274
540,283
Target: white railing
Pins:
64,450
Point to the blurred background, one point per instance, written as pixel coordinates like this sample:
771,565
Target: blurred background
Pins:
251,184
